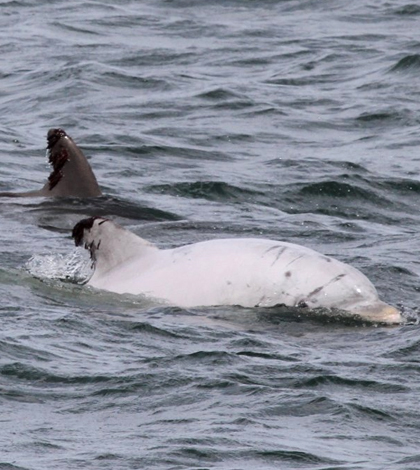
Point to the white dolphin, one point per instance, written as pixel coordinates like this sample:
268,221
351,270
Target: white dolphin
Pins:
248,272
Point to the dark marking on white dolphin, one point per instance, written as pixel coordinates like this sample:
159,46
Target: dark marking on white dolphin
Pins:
294,260
281,250
320,288
79,229
71,174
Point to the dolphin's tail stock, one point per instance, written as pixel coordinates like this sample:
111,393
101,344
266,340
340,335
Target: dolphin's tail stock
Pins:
71,173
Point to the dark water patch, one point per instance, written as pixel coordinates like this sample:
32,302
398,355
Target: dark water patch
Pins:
409,463
75,29
409,63
371,413
344,197
196,154
363,384
108,456
408,10
268,356
23,396
154,388
288,164
358,212
211,190
10,466
130,386
290,456
189,28
119,78
226,99
229,387
15,3
408,353
55,214
33,374
341,178
240,138
244,380
212,358
18,350
398,271
251,343
167,324
351,227
300,407
203,454
336,189
42,446
218,94
383,118
302,81
406,187
148,329
236,105
155,57
119,21
265,110
354,167
252,60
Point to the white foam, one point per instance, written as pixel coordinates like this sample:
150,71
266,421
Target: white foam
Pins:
74,267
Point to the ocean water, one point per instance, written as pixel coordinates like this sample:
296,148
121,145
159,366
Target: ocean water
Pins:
289,119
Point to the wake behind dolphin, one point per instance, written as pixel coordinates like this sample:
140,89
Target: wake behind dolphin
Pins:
71,173
245,272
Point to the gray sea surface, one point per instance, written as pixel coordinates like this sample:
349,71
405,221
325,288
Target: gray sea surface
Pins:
296,120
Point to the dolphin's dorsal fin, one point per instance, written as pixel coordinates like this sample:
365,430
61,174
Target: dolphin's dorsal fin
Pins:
71,173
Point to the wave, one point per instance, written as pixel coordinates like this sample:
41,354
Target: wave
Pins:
210,190
409,63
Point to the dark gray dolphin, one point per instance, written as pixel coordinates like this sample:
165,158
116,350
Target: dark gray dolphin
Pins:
71,173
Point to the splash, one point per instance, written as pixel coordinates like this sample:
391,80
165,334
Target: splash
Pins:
74,267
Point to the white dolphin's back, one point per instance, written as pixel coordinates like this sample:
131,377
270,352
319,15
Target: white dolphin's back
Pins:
245,272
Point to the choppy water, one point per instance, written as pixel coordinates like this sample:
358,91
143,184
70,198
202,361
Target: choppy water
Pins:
296,120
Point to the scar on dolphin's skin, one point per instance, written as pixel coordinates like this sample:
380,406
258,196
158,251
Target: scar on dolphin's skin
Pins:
281,250
294,260
274,248
279,253
320,288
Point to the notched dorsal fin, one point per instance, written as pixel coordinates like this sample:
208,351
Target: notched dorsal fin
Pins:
71,173
56,159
